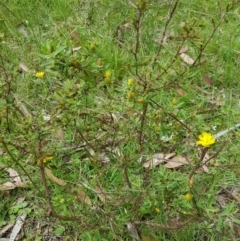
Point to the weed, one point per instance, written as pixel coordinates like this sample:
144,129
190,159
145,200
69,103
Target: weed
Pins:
101,107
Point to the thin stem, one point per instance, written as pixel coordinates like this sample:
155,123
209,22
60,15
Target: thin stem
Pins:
208,41
169,18
200,164
137,26
143,118
175,226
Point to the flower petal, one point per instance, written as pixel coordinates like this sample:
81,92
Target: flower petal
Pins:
206,139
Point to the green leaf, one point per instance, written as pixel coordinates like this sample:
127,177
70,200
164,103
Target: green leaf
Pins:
219,224
59,231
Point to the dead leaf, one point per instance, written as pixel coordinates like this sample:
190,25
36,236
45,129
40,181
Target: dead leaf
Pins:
18,226
53,178
186,58
180,91
176,161
5,228
216,102
82,196
75,37
101,194
103,158
183,49
206,157
7,186
207,80
236,194
157,159
13,175
75,49
133,231
23,67
169,155
22,107
21,28
204,167
15,178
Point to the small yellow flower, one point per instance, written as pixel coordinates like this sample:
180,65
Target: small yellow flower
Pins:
47,158
206,139
130,82
131,95
44,159
188,197
108,73
40,74
174,101
157,210
107,80
91,46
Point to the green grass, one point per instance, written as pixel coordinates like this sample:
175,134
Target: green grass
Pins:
101,130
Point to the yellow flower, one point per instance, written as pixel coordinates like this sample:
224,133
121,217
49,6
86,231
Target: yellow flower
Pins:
44,159
131,95
206,139
91,46
174,101
157,210
40,74
188,197
130,82
108,73
47,158
107,80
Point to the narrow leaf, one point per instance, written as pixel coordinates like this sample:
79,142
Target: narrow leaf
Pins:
53,178
207,80
82,196
186,58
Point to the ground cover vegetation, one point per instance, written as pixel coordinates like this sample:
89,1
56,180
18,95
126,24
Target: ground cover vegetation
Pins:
112,119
